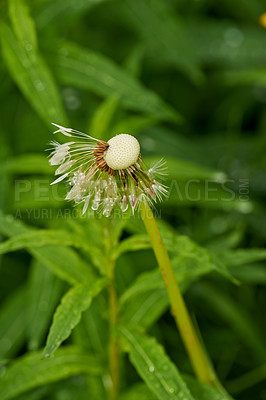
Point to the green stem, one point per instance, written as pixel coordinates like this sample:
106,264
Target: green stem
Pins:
198,357
113,344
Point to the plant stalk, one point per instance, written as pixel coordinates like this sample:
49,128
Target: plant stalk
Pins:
197,354
114,364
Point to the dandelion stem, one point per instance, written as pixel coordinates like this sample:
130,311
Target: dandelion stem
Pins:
113,344
114,361
197,354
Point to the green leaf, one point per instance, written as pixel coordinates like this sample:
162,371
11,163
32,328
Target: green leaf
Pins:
146,299
247,77
138,391
164,34
9,226
154,366
189,260
23,24
136,124
43,237
27,164
199,390
101,120
30,371
133,243
202,391
68,313
254,274
133,62
45,290
4,181
238,257
85,69
92,332
146,308
13,323
61,260
33,77
38,239
35,394
58,12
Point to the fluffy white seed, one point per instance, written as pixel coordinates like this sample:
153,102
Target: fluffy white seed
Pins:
123,151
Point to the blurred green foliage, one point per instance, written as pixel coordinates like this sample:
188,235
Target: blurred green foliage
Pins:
189,78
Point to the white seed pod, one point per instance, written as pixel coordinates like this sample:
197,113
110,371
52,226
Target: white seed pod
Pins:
123,151
104,175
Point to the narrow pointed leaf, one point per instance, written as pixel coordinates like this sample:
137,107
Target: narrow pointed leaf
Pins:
199,390
33,77
146,308
27,164
36,239
239,257
13,323
133,243
61,260
85,69
68,313
189,260
45,290
136,124
10,226
23,24
103,116
92,332
59,12
154,366
32,371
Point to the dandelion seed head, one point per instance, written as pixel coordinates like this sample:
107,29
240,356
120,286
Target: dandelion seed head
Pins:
103,175
123,151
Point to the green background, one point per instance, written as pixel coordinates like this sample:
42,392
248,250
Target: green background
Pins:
188,78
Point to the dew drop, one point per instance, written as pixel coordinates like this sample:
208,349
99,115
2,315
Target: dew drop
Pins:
165,367
95,205
233,37
124,203
108,208
172,391
148,143
151,368
28,46
39,85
